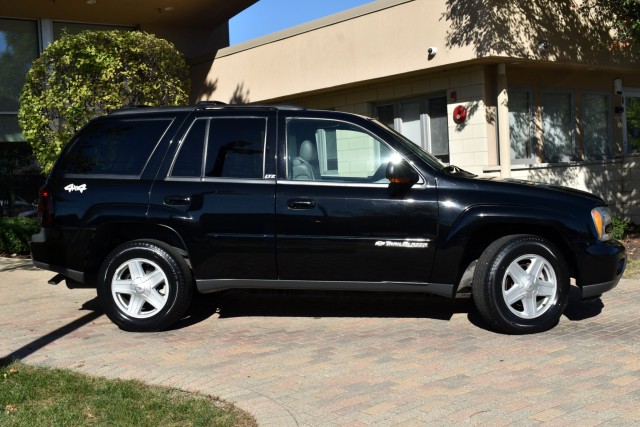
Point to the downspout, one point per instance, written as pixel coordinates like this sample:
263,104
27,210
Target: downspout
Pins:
503,122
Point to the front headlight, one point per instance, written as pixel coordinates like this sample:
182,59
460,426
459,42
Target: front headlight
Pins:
602,221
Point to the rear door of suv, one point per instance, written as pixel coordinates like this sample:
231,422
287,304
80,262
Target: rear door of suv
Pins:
217,190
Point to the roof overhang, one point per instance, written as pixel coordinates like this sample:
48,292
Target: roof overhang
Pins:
201,14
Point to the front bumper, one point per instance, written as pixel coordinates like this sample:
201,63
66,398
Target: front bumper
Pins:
600,266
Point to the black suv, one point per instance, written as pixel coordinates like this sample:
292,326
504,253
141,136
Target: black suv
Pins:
150,205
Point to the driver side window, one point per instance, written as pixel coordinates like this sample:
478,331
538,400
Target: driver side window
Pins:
333,151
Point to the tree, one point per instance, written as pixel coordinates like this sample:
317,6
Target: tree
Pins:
624,16
82,76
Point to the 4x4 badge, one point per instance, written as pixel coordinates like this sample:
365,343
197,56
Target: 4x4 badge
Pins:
73,187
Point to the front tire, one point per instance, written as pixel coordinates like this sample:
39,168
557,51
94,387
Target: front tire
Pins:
144,286
521,284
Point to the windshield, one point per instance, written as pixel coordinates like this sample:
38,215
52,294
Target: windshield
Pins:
431,160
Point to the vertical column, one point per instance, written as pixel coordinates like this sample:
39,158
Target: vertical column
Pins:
46,33
503,122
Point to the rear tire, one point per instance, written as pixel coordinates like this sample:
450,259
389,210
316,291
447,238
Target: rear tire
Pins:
144,286
521,284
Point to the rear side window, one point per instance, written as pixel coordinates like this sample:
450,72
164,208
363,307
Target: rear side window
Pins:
114,147
233,148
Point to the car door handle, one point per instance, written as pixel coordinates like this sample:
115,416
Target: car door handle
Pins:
301,204
177,200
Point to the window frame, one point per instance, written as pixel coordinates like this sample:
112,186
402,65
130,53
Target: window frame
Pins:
203,177
574,152
533,139
170,121
331,182
425,120
609,146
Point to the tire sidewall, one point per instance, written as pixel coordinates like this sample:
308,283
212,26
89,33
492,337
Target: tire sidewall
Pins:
170,268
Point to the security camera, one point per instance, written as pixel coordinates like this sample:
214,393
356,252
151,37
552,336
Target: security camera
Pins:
432,51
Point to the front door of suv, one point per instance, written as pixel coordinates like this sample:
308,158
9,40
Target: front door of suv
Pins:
337,220
218,191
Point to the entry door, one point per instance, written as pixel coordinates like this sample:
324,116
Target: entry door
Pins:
336,218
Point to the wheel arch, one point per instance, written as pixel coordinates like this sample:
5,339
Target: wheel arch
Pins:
108,236
474,232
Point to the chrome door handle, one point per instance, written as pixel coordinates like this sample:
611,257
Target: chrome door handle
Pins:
301,204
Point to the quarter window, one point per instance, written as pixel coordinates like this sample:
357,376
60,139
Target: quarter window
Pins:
114,147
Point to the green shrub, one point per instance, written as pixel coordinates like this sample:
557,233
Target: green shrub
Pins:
619,228
82,76
15,234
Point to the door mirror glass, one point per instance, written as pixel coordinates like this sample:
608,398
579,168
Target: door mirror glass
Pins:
399,172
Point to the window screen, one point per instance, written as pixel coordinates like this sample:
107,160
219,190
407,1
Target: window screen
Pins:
114,147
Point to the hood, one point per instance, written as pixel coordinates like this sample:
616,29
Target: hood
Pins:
547,187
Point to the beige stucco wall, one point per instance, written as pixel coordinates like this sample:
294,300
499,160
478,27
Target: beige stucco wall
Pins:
389,38
382,39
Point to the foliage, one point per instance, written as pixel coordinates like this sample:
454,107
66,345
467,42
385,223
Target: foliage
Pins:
82,76
32,396
619,228
624,16
15,234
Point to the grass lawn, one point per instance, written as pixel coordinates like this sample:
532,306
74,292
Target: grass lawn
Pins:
35,396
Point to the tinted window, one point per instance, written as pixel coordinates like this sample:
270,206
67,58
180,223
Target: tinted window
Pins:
114,147
235,148
189,160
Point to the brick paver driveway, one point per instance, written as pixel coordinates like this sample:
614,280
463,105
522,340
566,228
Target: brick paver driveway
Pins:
342,359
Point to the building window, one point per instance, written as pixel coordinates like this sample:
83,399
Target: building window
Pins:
558,126
422,120
631,120
596,130
61,28
521,129
18,48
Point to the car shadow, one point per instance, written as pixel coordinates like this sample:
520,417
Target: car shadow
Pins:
318,304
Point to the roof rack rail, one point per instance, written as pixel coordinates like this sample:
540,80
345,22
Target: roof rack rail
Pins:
263,106
210,103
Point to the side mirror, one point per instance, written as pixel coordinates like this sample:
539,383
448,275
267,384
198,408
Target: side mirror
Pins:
401,173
